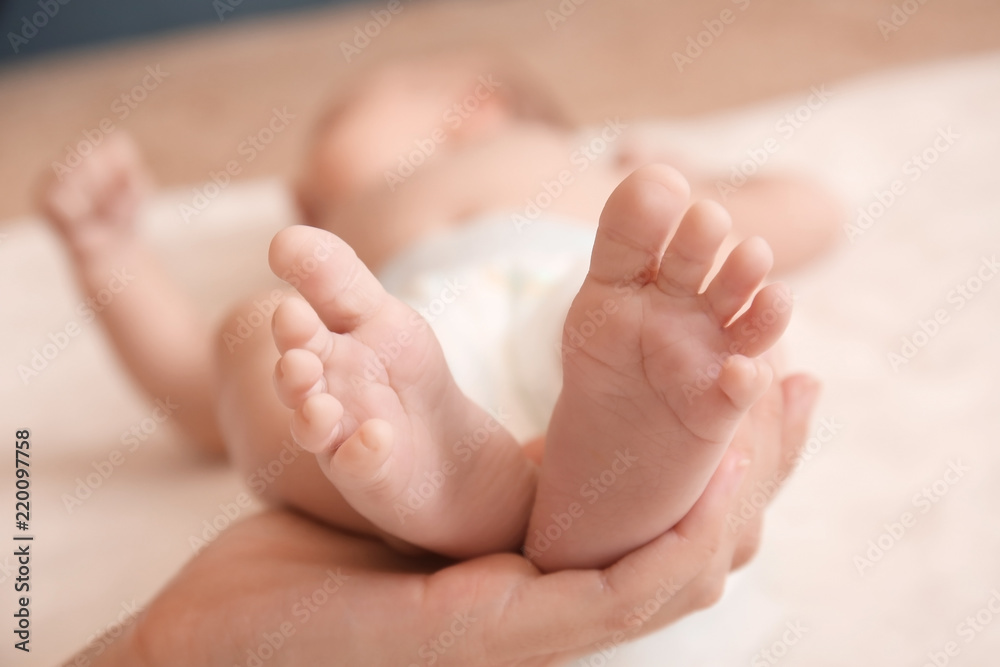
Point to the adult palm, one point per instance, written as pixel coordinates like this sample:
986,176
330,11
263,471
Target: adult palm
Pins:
280,589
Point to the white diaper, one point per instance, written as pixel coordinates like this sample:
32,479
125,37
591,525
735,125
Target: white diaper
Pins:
496,295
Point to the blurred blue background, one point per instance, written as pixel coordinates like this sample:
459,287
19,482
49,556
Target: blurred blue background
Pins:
34,27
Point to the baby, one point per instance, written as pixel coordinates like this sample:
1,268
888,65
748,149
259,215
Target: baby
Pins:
661,351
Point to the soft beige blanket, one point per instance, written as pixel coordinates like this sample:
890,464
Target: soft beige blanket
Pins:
876,553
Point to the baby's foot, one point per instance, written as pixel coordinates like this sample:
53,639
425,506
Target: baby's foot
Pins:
655,377
375,401
93,206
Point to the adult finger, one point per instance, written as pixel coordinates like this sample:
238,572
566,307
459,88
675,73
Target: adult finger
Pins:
800,393
798,397
748,542
604,603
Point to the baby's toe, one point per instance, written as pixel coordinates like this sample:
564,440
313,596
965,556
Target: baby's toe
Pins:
740,275
361,467
744,380
296,325
329,275
298,375
316,423
692,251
760,327
639,217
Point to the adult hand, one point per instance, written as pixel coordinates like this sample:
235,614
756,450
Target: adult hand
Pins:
279,589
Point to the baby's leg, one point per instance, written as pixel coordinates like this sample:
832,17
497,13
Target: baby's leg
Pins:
156,331
374,399
798,218
657,373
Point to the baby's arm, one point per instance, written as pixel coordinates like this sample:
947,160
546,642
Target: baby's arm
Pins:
155,329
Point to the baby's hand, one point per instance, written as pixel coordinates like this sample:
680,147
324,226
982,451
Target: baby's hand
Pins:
93,205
